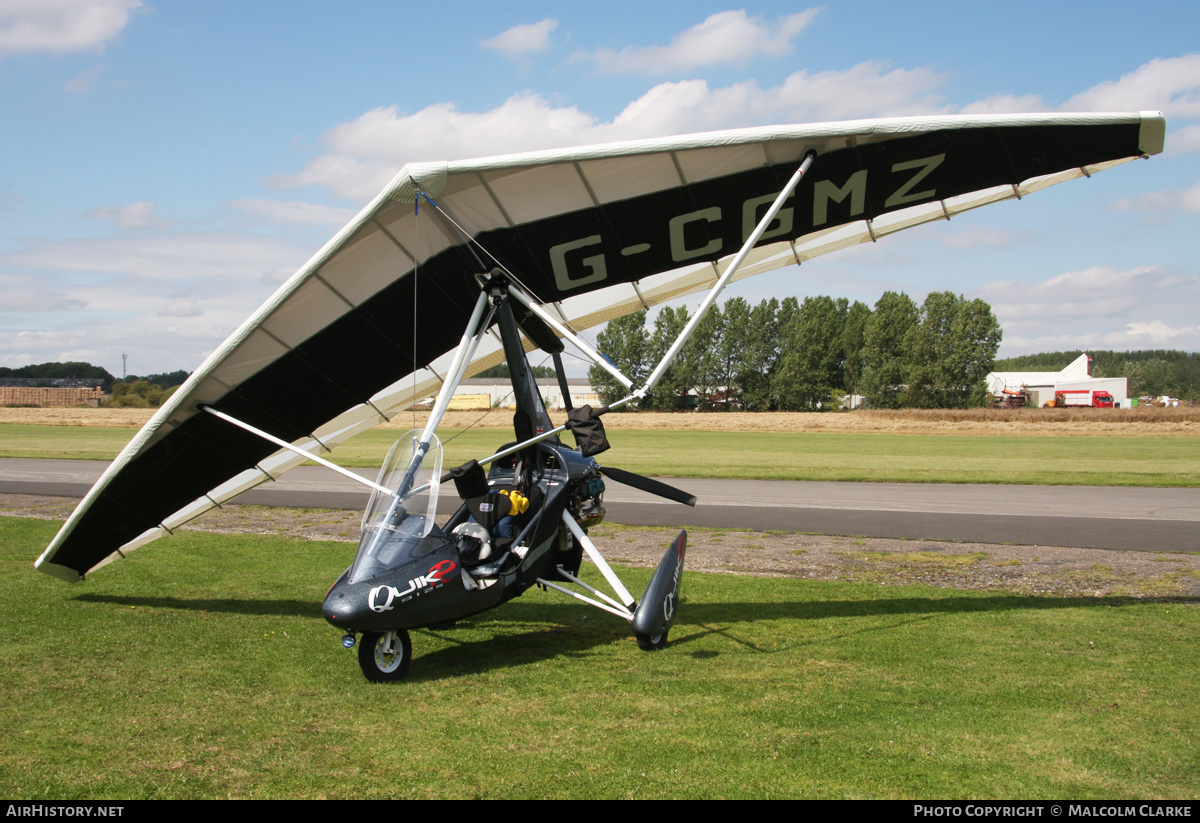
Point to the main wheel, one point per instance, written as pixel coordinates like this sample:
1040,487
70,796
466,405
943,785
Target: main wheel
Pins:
384,656
652,644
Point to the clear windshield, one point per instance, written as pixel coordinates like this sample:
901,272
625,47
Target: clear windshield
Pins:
415,474
394,527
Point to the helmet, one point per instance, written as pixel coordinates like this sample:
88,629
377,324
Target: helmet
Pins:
474,542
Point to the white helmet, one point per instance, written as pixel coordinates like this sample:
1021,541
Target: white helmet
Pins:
472,536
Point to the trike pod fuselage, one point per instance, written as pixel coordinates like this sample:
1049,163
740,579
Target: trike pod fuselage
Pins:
423,592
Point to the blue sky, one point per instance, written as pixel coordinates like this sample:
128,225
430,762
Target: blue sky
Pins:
164,166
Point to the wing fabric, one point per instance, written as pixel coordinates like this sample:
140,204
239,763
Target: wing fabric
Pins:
363,329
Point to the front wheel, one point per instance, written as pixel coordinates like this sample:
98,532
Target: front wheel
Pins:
652,644
384,656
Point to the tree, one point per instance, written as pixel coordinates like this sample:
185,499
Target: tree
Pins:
1151,378
164,380
139,394
977,336
71,370
760,356
672,390
885,365
734,351
810,369
853,340
950,353
925,347
624,341
703,357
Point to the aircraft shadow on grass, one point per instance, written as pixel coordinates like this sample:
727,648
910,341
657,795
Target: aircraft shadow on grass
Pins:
526,633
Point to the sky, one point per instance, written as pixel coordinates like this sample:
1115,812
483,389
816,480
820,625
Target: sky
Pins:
165,166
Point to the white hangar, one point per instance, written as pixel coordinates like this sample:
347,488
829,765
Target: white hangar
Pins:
1074,378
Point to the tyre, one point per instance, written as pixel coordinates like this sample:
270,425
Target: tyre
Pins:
384,656
652,644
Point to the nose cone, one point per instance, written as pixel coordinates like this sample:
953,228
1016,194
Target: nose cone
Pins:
339,607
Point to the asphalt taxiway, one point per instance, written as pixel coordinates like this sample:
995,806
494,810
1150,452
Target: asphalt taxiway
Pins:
1094,517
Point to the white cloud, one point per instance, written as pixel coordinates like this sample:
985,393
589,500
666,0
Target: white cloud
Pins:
1132,336
365,153
295,211
138,215
1101,291
28,346
1184,140
1100,307
276,276
181,308
61,25
1170,85
217,257
1006,104
34,299
1157,331
527,38
166,297
1186,200
725,37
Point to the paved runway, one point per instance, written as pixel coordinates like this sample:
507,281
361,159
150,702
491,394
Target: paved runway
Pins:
1082,516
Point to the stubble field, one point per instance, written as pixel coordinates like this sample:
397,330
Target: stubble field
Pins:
1176,422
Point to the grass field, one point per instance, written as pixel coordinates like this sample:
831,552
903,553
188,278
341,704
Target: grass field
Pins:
200,667
1134,460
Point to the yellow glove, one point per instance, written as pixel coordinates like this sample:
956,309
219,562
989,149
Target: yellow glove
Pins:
520,503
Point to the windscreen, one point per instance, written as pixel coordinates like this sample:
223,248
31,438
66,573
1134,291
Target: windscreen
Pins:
394,528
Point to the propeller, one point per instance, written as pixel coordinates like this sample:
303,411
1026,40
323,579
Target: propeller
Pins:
649,485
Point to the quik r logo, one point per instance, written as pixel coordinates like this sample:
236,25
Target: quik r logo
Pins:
669,603
432,579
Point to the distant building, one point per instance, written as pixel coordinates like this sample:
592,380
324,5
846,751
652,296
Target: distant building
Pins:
490,392
50,391
1042,385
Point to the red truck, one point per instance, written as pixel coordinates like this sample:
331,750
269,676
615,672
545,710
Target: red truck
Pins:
1084,398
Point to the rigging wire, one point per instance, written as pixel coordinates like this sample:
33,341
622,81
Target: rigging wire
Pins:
416,271
473,241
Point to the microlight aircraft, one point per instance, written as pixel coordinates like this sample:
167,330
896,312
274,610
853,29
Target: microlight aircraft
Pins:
458,266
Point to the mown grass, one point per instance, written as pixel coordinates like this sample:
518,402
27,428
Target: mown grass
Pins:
900,458
62,442
200,667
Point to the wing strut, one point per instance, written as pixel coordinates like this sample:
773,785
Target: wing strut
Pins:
716,290
688,330
553,322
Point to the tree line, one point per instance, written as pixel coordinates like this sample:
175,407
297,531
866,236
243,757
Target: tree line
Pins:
788,355
1151,373
60,371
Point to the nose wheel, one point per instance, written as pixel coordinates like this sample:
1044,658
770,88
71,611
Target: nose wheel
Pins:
384,656
648,643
